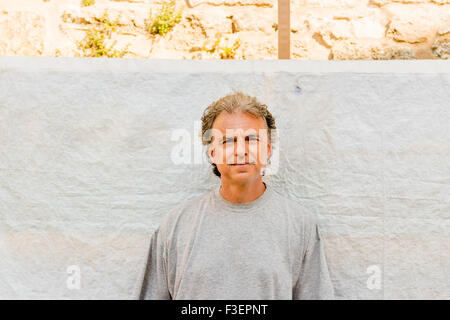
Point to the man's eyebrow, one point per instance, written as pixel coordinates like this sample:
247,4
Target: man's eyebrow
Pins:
226,138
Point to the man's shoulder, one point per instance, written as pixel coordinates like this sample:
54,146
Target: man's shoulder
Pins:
296,208
186,208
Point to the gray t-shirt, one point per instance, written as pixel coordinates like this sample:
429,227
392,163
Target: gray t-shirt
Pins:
211,248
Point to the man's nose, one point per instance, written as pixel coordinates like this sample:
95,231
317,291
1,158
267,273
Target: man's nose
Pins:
240,150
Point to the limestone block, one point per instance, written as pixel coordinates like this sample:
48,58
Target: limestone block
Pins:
93,15
333,3
441,48
305,47
333,30
137,18
259,3
444,26
368,27
254,47
351,50
133,1
336,30
327,30
255,20
22,33
212,21
379,2
411,1
139,45
384,2
443,30
192,25
411,29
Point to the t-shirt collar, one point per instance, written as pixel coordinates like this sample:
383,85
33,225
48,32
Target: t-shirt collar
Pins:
244,206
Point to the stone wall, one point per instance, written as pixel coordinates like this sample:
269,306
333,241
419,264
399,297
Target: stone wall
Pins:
321,29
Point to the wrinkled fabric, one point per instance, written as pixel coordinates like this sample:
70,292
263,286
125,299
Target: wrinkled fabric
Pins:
87,175
211,248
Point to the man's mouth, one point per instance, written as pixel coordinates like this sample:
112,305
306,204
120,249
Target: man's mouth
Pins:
242,164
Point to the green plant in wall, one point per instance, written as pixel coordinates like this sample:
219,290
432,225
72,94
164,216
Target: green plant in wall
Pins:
214,47
93,45
225,52
94,42
87,3
229,52
106,24
165,19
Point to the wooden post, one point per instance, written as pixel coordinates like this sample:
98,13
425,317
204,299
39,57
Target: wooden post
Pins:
284,29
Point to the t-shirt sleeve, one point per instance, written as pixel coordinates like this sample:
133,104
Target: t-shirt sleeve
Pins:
155,284
314,282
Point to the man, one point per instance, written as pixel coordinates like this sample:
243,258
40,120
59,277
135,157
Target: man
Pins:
241,240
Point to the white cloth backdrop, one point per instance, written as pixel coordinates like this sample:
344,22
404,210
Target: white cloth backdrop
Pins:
86,172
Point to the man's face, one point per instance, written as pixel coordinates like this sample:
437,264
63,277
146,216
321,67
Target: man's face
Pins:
240,146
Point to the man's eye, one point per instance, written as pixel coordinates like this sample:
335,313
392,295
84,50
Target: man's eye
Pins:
228,141
252,139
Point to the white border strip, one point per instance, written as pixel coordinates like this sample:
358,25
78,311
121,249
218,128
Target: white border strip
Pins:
65,64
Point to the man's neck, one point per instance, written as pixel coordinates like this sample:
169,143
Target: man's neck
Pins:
242,193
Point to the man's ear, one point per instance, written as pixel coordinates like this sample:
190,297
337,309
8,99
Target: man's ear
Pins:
269,151
211,154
